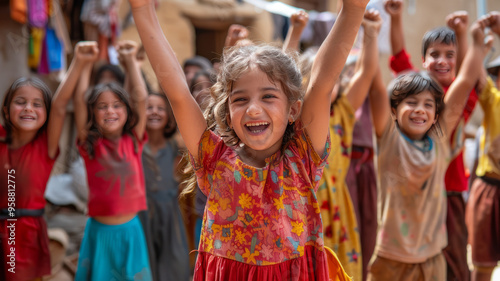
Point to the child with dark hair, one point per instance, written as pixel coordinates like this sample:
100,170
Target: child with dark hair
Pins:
483,207
443,50
111,125
195,64
413,131
168,242
109,73
29,145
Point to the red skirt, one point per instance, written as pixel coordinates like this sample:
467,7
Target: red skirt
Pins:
312,266
30,244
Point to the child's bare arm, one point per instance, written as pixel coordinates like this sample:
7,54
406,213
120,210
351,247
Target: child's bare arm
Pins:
90,52
298,22
360,83
325,71
65,92
235,33
467,78
458,22
379,104
395,9
127,51
187,113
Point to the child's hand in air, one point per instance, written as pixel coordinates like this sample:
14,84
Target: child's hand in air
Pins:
127,52
86,51
371,23
458,21
478,31
235,33
394,7
299,19
494,19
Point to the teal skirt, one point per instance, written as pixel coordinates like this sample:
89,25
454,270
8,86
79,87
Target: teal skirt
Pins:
113,252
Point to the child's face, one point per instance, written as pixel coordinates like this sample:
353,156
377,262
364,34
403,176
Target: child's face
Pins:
156,113
201,89
440,60
110,114
107,77
189,72
416,114
27,110
259,112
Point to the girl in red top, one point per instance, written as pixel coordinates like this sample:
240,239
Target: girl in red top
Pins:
111,133
27,155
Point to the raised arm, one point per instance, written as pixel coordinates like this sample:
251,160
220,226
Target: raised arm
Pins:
90,51
83,53
395,9
235,33
298,22
379,104
325,71
458,21
468,76
360,83
127,51
187,113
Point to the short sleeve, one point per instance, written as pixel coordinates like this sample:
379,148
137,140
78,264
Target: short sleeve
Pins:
313,162
401,62
490,96
210,150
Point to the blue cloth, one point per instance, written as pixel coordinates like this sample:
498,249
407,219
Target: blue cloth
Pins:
113,252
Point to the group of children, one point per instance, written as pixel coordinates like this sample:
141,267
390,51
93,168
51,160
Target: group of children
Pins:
269,147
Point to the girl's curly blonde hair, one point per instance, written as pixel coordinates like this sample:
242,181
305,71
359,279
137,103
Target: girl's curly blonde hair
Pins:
280,67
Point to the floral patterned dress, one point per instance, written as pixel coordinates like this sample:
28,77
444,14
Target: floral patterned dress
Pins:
260,223
339,218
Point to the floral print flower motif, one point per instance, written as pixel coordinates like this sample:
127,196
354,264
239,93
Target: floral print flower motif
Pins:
225,203
245,201
298,228
250,256
267,251
214,207
241,237
278,203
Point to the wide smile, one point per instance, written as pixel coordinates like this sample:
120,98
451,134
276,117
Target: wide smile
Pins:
110,120
256,128
27,118
418,121
442,71
154,119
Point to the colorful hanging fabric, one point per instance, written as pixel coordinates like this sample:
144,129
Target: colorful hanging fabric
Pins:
35,47
37,13
19,11
54,51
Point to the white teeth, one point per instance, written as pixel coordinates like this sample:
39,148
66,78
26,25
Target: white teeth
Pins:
257,124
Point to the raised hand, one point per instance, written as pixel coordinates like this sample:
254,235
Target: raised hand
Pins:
127,52
458,21
494,21
236,33
394,7
478,32
299,19
86,51
371,23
